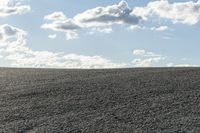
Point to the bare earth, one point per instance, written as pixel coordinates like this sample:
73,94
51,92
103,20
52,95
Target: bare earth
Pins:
110,101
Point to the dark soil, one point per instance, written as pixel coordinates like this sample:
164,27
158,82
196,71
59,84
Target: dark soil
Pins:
100,101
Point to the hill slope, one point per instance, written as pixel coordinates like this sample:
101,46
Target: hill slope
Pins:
117,100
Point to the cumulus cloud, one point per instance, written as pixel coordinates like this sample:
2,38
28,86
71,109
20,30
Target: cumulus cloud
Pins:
160,28
141,52
102,19
146,59
186,65
182,12
4,2
12,38
14,49
55,16
71,35
105,16
97,19
103,30
62,24
134,27
182,65
7,8
52,36
186,59
145,62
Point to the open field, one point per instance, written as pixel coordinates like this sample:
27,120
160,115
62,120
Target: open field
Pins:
117,100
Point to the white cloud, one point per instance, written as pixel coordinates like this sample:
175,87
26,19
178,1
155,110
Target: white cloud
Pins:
4,2
105,16
182,12
59,60
134,27
56,16
160,28
103,30
14,39
97,19
186,59
182,65
71,35
52,36
62,24
15,50
186,65
170,64
7,8
147,59
141,52
146,62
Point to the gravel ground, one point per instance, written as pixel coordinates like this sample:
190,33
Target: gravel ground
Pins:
148,100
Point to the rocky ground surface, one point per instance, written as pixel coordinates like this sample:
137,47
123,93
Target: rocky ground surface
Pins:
106,101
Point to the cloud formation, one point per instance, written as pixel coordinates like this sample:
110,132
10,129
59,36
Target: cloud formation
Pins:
52,36
14,48
8,9
160,28
144,53
146,59
182,65
103,18
145,62
98,19
179,12
107,16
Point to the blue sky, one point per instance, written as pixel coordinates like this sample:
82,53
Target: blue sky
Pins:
156,38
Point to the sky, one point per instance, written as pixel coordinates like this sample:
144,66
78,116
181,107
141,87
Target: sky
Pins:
99,34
